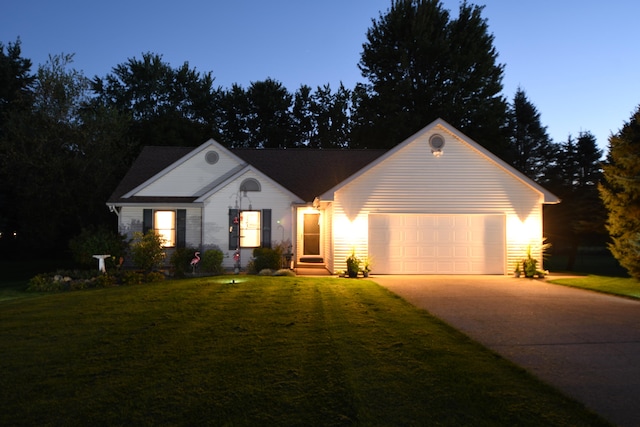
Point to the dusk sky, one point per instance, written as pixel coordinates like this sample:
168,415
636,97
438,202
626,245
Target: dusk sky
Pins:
577,61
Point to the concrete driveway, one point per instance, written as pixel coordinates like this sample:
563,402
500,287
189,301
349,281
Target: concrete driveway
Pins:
584,343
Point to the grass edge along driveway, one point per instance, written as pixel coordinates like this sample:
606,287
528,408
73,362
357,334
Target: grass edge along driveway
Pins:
263,351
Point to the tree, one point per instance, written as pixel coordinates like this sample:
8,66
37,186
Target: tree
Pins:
16,83
620,192
234,126
420,65
322,118
331,114
270,117
59,159
15,77
530,149
169,106
580,218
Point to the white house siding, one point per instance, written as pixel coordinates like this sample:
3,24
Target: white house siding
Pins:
130,221
216,213
193,176
327,232
413,180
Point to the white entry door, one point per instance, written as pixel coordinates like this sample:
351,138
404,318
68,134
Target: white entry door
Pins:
437,244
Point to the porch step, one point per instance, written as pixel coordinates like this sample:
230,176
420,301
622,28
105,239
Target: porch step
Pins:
312,270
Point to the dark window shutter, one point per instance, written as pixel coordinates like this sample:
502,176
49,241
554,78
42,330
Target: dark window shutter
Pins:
181,228
266,228
147,220
234,228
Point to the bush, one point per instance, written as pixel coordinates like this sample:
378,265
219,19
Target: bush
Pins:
181,261
98,241
211,261
147,252
265,258
70,280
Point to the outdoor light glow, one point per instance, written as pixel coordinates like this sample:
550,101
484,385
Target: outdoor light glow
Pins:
524,232
351,231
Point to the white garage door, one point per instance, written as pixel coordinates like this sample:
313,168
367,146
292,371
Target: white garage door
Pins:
437,244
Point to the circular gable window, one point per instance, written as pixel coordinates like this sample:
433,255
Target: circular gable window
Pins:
211,157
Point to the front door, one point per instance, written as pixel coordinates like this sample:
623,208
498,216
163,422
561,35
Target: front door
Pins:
311,235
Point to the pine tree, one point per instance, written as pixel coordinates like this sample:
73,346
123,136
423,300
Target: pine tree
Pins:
530,148
620,192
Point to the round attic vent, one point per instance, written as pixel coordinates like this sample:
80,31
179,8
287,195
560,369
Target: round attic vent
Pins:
211,157
436,142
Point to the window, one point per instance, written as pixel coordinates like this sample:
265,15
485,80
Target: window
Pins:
249,229
164,223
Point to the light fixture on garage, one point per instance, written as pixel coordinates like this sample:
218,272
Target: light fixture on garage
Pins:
436,142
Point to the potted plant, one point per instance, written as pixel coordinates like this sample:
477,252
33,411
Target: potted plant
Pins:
529,265
366,266
517,272
353,265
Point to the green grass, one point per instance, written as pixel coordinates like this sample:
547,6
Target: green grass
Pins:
622,286
264,351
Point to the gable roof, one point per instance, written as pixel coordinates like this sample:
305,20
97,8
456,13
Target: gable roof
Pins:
548,197
305,172
308,172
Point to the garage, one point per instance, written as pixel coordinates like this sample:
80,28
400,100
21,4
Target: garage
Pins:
437,243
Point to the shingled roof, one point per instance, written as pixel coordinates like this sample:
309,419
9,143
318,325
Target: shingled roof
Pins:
307,173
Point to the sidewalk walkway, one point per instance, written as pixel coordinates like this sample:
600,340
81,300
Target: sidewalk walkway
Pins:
584,343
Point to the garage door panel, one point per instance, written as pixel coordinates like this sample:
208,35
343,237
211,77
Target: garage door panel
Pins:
437,244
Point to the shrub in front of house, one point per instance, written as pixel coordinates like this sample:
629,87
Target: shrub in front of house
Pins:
70,280
75,280
147,252
265,259
181,261
98,241
211,261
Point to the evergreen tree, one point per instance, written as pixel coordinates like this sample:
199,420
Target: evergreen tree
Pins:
620,192
420,65
530,148
59,158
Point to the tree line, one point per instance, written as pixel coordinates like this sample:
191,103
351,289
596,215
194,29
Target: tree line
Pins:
66,139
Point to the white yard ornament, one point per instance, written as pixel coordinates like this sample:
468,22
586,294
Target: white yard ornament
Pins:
101,258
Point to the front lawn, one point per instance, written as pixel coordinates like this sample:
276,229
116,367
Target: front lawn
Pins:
622,286
261,351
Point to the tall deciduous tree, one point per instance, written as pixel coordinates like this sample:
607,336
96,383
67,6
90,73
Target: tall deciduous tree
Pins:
322,117
169,106
620,192
420,65
270,117
234,118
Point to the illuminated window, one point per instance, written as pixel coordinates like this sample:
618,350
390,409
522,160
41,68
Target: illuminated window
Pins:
164,223
249,229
